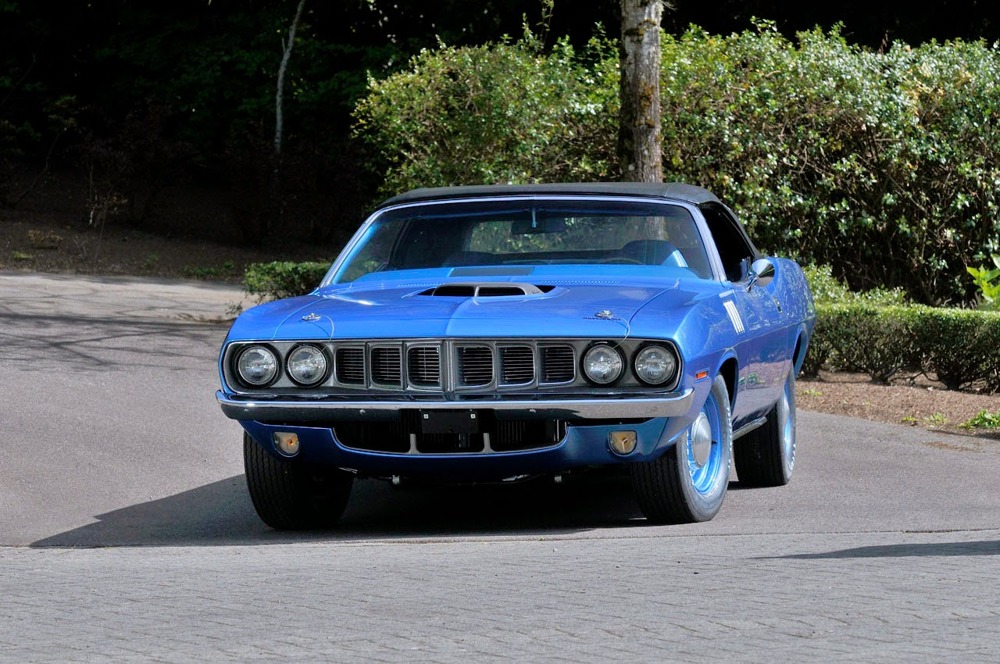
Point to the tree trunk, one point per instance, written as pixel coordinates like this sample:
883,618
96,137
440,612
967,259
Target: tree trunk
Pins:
276,203
278,115
639,150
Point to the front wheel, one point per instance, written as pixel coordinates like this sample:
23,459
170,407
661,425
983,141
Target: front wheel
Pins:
766,456
688,483
290,495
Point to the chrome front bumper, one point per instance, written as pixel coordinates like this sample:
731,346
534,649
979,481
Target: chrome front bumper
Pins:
604,408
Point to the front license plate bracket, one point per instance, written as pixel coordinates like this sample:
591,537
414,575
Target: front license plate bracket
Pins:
449,421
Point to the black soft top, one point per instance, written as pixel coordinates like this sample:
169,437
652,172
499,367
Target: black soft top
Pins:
674,191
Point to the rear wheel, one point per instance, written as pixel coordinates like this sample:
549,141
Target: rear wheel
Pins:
766,456
688,483
291,495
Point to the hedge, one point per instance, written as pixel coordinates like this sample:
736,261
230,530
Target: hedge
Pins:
280,279
885,165
875,332
958,347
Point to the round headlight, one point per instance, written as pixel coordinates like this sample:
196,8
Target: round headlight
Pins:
307,365
655,365
257,366
603,364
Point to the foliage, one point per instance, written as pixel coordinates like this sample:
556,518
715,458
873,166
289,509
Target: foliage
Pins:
494,114
959,346
828,289
226,270
280,279
884,165
988,282
954,346
875,340
983,420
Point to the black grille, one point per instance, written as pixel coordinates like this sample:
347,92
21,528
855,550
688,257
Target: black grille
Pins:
475,365
375,436
558,364
351,365
517,365
513,435
396,436
424,366
387,366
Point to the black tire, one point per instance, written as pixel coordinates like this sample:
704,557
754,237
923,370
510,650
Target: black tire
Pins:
291,495
685,485
766,456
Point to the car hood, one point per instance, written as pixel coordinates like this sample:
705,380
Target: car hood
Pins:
586,308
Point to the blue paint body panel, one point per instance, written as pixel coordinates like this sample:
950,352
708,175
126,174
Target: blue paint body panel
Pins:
381,410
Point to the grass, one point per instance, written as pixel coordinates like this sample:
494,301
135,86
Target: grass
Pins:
983,420
935,420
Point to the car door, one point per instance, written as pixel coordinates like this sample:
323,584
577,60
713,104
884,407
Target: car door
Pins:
755,314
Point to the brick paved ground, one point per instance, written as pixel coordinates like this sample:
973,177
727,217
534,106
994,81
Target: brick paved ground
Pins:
885,547
892,597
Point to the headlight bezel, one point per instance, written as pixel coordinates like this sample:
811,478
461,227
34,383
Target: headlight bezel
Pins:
321,352
669,351
613,351
241,376
605,364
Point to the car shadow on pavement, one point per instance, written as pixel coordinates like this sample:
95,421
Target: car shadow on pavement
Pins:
908,550
220,514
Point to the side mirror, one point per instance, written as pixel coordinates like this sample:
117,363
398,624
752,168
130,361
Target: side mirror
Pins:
761,273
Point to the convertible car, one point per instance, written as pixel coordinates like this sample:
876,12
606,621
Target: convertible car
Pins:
495,333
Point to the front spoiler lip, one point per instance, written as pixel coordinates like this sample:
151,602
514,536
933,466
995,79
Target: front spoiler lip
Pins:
242,408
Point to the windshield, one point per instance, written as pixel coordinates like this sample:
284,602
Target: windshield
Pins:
527,232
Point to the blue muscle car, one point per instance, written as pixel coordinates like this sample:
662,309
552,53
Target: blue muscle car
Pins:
476,334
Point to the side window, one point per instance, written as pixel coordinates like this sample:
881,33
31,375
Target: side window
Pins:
734,248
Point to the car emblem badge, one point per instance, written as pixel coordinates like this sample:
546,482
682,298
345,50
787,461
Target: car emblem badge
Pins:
604,315
311,318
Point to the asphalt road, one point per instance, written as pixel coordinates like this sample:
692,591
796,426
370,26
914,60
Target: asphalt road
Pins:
126,533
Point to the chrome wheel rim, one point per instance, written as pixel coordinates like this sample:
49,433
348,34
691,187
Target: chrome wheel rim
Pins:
704,451
786,424
701,440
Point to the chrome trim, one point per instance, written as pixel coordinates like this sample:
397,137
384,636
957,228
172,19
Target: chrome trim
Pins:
749,426
715,262
564,354
300,412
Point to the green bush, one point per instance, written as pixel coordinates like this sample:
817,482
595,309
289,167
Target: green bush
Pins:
959,347
875,340
883,165
280,279
988,282
828,289
505,113
955,346
883,362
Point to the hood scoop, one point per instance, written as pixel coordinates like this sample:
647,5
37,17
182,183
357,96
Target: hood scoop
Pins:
502,289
